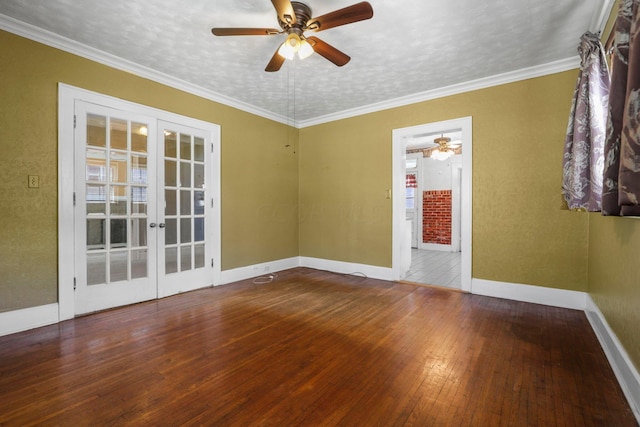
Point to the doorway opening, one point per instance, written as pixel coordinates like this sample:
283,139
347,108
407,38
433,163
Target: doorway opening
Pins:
432,203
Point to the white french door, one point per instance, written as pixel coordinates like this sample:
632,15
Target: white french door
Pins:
115,176
184,247
143,214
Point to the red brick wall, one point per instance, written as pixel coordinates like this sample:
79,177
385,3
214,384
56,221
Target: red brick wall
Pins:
436,220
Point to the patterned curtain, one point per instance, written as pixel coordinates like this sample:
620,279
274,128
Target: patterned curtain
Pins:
583,162
621,187
411,181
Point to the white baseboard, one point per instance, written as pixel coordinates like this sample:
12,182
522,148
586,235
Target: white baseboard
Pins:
527,293
28,318
371,271
243,273
622,366
436,247
250,271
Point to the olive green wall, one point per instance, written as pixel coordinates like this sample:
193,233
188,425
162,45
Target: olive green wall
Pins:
259,175
614,282
520,233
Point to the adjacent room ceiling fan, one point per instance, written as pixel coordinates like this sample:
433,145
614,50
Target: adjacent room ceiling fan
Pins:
443,150
294,19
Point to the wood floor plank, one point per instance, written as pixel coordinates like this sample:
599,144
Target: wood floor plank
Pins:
313,348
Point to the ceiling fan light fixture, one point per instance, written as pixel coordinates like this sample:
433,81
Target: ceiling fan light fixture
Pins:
443,150
306,50
438,154
290,46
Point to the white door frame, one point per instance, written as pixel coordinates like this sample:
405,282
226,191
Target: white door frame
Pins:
399,147
67,95
417,220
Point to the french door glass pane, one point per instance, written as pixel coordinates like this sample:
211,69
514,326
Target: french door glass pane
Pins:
96,165
199,256
185,202
96,196
198,176
185,174
96,268
119,263
139,137
171,260
138,200
170,232
185,258
118,233
198,229
170,176
139,232
118,134
118,167
139,263
170,204
118,200
185,230
96,130
170,143
96,234
185,147
198,202
198,149
138,169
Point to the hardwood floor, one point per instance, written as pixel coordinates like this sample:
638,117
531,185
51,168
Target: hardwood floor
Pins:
313,349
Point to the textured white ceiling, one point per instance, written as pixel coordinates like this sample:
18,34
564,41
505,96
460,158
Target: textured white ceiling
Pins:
408,47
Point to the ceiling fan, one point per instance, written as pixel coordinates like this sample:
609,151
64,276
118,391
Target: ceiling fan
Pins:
294,19
444,149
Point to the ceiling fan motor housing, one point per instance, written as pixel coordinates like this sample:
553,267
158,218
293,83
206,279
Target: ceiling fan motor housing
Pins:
303,14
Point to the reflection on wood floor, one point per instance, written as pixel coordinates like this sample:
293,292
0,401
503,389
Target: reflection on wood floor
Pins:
435,268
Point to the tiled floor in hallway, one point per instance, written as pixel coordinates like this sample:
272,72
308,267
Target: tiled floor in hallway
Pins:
435,268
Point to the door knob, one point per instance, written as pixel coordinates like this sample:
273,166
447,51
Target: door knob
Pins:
161,225
152,225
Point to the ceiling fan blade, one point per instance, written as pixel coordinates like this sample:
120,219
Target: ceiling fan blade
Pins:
285,11
244,31
347,15
329,52
275,63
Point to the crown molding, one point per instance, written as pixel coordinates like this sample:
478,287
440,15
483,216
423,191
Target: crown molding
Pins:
483,83
48,38
599,21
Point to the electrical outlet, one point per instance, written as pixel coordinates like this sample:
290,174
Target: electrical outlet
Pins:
34,181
